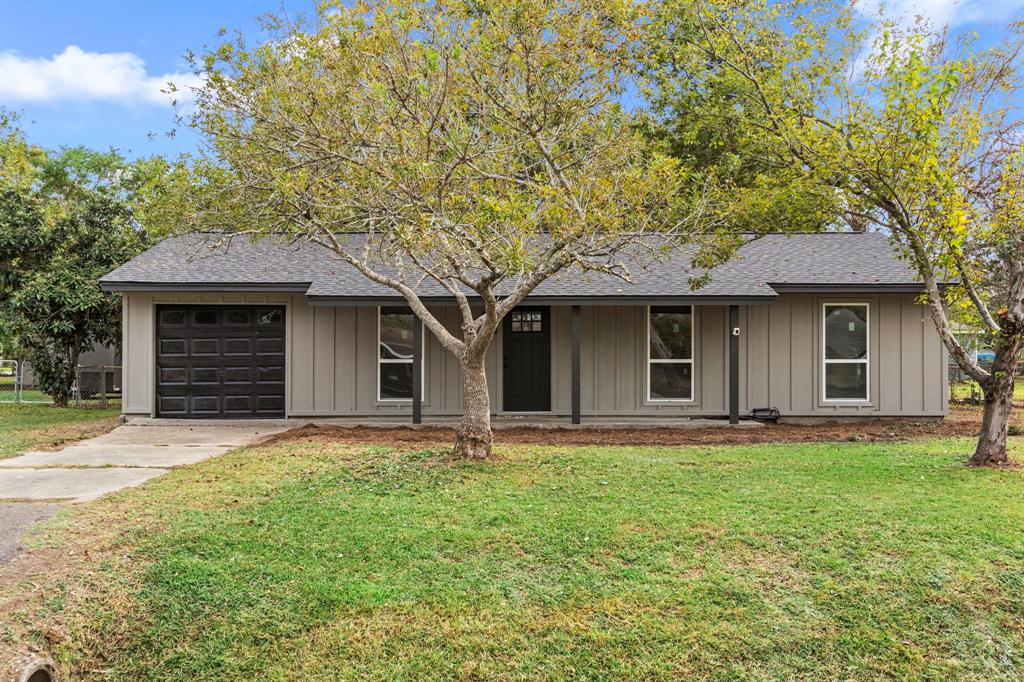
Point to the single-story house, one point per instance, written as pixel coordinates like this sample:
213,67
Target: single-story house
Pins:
815,325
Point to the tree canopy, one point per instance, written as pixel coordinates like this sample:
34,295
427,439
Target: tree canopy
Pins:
66,218
904,129
479,146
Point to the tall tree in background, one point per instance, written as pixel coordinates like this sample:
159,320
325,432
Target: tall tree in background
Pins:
65,220
906,129
480,147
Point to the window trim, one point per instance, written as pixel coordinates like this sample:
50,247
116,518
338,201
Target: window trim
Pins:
866,361
674,361
392,361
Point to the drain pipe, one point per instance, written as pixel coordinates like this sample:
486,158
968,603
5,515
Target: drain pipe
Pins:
39,670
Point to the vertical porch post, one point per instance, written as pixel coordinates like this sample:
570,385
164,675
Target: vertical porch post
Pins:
417,370
734,364
576,329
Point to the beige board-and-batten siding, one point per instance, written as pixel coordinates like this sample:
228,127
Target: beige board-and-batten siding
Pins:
332,370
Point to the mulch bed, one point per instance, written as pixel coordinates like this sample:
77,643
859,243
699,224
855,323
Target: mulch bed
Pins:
960,422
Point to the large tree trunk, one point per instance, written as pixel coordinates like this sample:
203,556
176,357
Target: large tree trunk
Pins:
473,437
995,422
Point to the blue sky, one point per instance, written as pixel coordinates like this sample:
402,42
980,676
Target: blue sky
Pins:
96,68
90,72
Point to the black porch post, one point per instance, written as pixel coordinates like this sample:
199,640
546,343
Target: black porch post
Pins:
734,364
417,370
576,364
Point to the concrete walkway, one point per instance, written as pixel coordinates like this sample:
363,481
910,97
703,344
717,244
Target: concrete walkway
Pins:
34,485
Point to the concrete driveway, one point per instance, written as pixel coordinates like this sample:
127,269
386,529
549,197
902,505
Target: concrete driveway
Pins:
35,484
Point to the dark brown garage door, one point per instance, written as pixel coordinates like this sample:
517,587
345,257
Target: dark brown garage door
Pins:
219,361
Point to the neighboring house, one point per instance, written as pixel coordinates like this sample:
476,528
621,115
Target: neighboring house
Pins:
100,355
815,325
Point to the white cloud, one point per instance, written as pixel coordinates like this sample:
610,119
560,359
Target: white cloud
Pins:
942,13
77,75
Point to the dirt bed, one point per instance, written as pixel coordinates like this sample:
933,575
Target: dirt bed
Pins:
960,422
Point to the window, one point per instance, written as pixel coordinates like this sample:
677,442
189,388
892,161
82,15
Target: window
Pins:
846,351
172,317
236,317
670,353
527,321
394,355
269,316
205,317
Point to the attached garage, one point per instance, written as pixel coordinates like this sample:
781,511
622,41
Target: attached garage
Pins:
220,361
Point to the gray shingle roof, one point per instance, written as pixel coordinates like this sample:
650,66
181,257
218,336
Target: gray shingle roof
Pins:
759,269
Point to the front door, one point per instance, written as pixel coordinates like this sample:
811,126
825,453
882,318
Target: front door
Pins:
526,339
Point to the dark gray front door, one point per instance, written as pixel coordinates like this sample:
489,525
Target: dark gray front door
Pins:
219,361
526,341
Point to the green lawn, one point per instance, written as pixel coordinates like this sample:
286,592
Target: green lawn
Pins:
23,427
317,561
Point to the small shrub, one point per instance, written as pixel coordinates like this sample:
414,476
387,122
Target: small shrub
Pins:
1015,430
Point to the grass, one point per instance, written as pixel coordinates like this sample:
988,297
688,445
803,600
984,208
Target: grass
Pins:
962,390
322,561
26,426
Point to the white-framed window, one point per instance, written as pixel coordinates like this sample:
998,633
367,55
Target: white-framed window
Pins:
394,354
845,353
670,353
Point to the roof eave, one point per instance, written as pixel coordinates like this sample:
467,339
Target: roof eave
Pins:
205,287
897,288
319,300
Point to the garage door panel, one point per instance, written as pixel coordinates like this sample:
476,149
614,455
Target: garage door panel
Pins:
173,347
215,361
239,346
173,376
238,375
270,374
239,404
271,403
270,345
205,346
168,405
205,375
205,404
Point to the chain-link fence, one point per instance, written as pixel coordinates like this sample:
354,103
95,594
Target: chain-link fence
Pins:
18,384
94,386
28,387
8,381
97,385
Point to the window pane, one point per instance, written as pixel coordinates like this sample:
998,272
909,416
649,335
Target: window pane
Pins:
671,380
846,381
396,336
172,317
205,317
671,334
239,317
526,321
846,332
396,380
270,317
